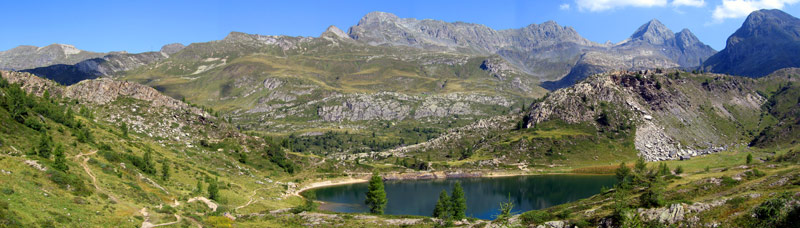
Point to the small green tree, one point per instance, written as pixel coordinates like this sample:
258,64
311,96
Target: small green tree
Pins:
44,148
442,209
148,166
376,195
505,211
749,158
199,188
663,170
640,166
124,129
213,190
678,170
165,170
458,207
623,174
653,195
60,159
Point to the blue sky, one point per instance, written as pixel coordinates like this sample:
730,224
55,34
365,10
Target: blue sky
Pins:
137,26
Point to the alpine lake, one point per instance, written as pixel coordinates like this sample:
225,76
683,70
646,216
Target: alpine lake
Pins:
484,195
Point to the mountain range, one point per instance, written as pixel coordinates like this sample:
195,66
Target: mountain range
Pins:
233,131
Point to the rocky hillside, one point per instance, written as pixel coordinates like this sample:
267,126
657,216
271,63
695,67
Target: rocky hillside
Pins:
27,57
674,114
767,41
310,86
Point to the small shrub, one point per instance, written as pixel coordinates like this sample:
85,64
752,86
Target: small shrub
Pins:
728,181
535,217
8,191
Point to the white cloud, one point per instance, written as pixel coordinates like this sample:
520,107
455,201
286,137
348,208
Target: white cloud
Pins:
602,5
564,6
741,8
692,3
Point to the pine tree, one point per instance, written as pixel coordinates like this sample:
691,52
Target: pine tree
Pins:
749,158
640,166
376,195
45,146
458,206
213,190
60,158
148,167
623,174
199,188
442,209
124,129
165,170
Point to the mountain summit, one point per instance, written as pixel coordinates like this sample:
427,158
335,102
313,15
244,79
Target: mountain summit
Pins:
767,41
653,32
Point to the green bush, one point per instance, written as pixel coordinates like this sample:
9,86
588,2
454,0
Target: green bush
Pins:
535,217
65,179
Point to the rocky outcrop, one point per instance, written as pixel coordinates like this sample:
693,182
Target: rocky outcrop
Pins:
103,91
397,106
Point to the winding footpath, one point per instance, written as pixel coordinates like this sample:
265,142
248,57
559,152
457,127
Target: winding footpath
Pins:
85,165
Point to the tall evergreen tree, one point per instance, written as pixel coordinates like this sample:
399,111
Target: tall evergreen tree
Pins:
60,158
199,188
213,190
44,148
124,129
165,170
442,209
376,195
148,167
640,166
458,206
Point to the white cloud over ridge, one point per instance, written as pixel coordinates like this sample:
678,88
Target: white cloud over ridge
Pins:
692,3
603,5
742,8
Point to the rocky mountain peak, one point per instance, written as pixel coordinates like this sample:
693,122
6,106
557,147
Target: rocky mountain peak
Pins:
378,17
334,32
173,48
653,32
768,23
767,41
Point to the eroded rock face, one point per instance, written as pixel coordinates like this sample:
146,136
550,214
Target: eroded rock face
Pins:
102,91
396,106
365,107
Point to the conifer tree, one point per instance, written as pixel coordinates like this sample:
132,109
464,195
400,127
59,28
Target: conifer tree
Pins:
165,170
213,190
44,148
376,195
60,158
458,206
442,209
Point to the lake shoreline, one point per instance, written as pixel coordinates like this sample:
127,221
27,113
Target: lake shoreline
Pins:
396,176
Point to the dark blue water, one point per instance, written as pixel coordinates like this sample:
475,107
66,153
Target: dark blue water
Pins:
484,195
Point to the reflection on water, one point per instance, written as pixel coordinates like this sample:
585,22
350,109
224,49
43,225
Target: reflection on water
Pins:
484,195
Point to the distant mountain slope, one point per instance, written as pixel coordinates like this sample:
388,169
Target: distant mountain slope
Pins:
108,65
27,57
651,46
767,41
